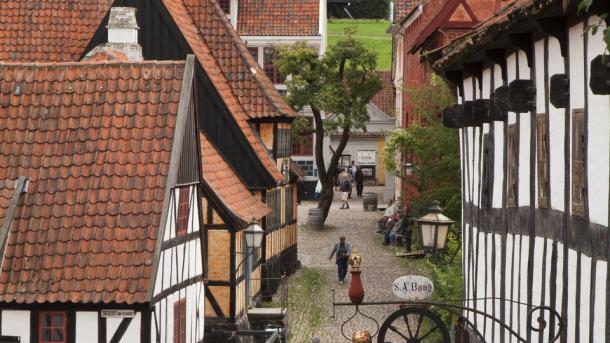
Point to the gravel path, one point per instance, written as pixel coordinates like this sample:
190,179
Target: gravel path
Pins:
380,267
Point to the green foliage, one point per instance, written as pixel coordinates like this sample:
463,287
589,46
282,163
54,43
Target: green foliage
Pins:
435,149
601,24
373,34
369,9
447,276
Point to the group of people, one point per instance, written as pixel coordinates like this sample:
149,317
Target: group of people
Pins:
346,179
393,225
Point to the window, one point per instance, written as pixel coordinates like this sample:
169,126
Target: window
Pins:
52,327
542,157
283,144
180,321
579,190
225,5
183,212
487,182
303,144
254,52
511,192
269,57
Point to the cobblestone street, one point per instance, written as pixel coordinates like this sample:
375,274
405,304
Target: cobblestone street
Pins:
380,267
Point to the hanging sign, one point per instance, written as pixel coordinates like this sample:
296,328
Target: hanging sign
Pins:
118,313
367,157
413,287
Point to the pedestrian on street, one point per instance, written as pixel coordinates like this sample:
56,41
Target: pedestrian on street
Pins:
359,177
342,251
352,173
346,187
301,191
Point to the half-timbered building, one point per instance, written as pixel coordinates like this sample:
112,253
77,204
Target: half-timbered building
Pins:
534,120
231,90
100,203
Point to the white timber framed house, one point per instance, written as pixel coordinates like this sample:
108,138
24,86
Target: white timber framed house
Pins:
533,114
100,203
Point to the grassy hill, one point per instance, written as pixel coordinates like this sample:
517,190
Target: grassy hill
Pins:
372,33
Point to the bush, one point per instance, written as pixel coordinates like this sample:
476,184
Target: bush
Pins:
369,9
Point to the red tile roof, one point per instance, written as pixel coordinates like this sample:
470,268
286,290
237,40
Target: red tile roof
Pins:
95,141
384,99
210,26
278,18
6,193
48,30
222,53
227,186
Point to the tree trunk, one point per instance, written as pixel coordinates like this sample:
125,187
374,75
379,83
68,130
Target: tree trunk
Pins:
327,175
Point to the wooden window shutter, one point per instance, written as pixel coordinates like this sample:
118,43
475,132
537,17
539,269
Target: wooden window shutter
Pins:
511,194
180,321
579,187
183,212
542,160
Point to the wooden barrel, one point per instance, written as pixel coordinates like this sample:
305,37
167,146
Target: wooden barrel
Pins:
369,201
315,218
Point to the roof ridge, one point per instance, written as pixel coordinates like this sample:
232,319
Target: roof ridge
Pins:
91,62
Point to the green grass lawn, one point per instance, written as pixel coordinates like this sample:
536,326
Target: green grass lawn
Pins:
372,33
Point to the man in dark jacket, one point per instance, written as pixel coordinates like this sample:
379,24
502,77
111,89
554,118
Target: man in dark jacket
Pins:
342,251
359,181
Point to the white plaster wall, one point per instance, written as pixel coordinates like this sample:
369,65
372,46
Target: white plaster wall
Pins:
498,149
599,142
16,323
480,272
523,286
559,283
572,284
510,241
131,335
497,293
524,158
556,135
584,284
599,326
537,276
524,69
577,99
86,327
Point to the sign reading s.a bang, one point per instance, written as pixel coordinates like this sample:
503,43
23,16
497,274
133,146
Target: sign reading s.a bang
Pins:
413,287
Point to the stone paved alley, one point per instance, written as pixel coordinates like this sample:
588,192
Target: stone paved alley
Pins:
380,267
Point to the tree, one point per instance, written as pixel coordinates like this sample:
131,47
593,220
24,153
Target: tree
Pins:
340,83
369,9
434,148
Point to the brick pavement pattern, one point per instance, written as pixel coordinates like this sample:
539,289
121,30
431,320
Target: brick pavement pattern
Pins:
380,267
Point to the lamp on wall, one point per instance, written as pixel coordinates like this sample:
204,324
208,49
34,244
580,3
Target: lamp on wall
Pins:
408,168
434,229
254,235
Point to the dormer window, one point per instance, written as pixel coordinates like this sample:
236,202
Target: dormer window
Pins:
225,5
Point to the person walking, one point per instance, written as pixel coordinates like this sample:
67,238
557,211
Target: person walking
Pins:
359,177
346,187
342,251
352,173
301,191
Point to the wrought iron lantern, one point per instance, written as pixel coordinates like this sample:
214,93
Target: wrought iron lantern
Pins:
434,229
254,235
408,168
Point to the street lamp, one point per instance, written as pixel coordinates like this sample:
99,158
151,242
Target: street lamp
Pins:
433,229
253,235
408,168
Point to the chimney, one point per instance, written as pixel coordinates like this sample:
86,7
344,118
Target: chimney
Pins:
122,37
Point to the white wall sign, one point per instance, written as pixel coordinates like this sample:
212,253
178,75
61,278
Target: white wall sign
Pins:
118,313
367,157
413,287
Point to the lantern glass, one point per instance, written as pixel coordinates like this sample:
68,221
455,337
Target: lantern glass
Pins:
441,240
427,235
254,235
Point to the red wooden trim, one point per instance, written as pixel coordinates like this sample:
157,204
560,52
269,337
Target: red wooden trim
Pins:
63,326
439,19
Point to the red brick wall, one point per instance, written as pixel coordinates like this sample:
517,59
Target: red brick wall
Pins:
384,99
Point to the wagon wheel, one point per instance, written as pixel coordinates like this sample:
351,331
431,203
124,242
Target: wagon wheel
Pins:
413,325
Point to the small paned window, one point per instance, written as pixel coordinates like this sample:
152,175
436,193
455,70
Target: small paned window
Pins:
487,185
579,187
254,52
542,157
283,143
269,58
511,192
225,5
52,327
180,321
303,144
183,212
